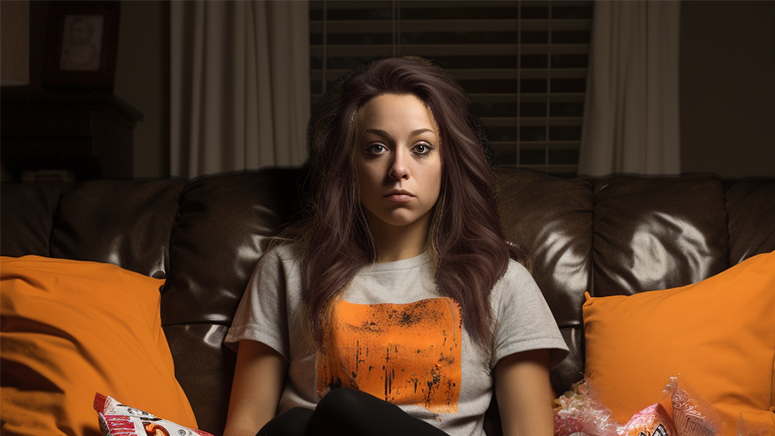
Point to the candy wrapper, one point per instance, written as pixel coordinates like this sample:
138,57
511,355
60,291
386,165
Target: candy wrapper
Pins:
692,416
117,419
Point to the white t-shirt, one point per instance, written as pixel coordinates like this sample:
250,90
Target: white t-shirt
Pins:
394,336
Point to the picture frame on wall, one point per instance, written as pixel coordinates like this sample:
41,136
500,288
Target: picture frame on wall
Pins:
81,44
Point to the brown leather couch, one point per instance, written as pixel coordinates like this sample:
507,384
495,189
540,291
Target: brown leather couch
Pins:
618,235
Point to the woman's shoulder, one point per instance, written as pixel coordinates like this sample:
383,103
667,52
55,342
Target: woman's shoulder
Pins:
515,281
517,271
283,252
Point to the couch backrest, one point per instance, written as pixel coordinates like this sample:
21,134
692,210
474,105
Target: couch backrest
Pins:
613,236
624,235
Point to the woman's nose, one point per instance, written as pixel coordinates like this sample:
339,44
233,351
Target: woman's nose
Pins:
398,168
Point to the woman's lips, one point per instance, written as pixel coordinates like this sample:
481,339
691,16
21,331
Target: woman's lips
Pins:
399,196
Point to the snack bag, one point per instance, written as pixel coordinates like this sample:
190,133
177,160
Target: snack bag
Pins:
691,415
117,419
651,421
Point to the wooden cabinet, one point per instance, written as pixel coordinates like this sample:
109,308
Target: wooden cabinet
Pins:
88,135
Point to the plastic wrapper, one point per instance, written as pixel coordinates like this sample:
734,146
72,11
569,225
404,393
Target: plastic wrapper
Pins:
117,419
578,413
679,413
692,416
745,429
567,413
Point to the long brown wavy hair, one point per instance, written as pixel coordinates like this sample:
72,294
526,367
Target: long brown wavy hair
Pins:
465,236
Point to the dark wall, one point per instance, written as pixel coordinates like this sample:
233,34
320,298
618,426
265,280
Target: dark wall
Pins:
143,80
727,83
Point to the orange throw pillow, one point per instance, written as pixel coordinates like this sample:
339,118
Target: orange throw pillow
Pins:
70,329
717,336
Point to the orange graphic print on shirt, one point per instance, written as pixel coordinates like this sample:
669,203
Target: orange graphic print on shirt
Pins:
402,353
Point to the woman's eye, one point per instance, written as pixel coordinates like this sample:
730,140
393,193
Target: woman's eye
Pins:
376,149
422,149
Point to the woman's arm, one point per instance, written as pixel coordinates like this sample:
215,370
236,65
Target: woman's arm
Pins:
259,378
525,394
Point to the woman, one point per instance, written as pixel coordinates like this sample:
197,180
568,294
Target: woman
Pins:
400,297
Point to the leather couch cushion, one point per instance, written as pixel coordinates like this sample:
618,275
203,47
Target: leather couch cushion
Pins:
551,218
123,222
750,205
657,233
716,336
27,217
217,240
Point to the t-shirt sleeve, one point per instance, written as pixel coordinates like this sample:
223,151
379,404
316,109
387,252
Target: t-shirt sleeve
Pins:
262,315
523,320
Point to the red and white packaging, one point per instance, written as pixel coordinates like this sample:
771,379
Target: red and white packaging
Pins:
651,421
118,419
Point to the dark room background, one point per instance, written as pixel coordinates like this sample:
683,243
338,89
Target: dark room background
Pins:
727,91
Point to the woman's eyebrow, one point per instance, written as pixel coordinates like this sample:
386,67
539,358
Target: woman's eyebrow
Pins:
385,134
419,131
377,132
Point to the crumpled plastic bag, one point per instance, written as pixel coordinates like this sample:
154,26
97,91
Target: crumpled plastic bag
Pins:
692,415
745,429
579,413
679,413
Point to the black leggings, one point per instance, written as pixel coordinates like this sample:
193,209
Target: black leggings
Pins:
348,412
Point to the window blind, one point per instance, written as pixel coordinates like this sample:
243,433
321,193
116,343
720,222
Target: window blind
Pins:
522,63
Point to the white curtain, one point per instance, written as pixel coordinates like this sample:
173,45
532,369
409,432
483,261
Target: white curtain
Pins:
631,123
240,85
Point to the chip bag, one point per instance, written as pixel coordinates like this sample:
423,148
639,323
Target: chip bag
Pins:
117,419
651,421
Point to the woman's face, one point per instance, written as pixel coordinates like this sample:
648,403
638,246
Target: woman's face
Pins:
397,161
